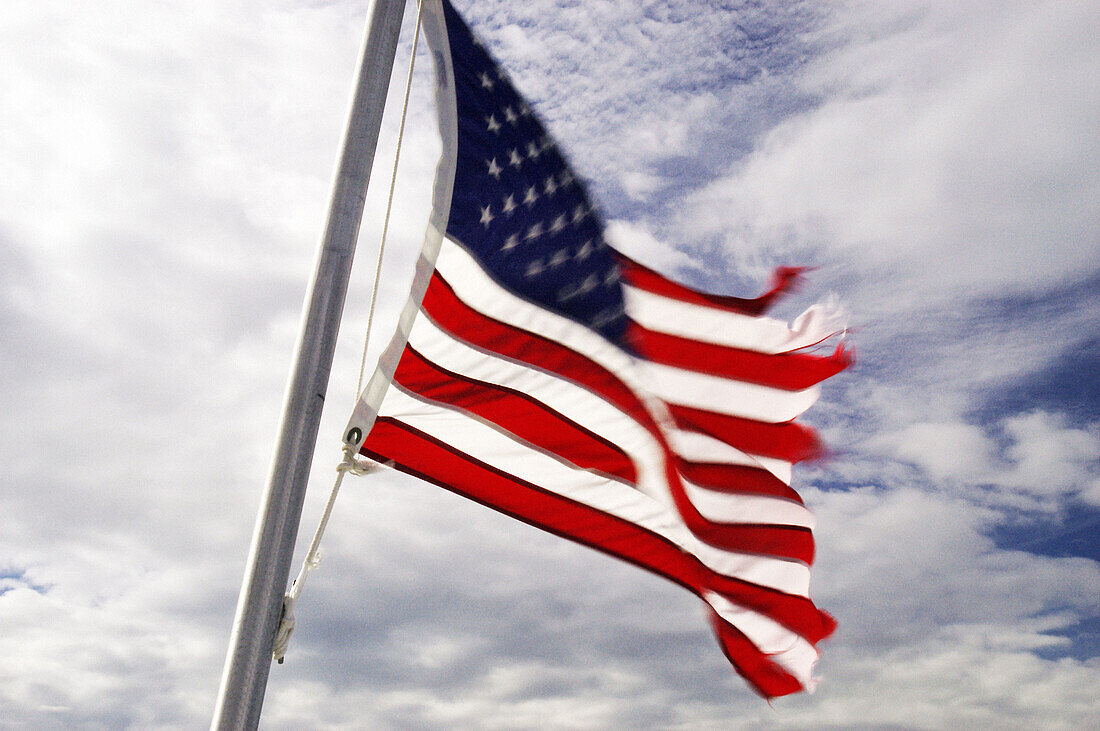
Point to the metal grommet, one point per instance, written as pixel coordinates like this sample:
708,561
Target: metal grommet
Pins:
354,435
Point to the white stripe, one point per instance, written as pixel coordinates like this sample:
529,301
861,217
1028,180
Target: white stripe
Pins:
736,398
609,496
474,287
564,396
784,647
738,508
487,444
710,325
435,33
480,292
696,447
791,577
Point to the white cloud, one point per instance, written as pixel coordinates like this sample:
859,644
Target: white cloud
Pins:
942,450
903,562
1091,493
950,679
638,88
947,146
1044,465
636,241
937,625
1049,456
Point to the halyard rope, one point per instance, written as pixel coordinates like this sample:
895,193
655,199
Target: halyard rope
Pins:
389,200
349,463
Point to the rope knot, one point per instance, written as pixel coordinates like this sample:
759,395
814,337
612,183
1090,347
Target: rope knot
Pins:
286,628
355,466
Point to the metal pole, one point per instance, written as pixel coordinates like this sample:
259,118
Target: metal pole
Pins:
248,659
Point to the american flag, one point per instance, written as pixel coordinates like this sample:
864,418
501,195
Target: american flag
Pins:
538,371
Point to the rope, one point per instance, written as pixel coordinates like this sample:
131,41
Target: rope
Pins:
389,200
350,463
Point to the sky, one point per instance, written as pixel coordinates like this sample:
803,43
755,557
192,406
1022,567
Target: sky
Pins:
166,169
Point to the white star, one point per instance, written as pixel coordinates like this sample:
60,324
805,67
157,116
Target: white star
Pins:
578,213
515,159
590,283
585,251
612,276
486,82
510,243
545,143
510,116
534,268
494,169
494,125
531,197
509,205
486,216
558,224
566,178
533,151
535,231
524,110
550,186
604,317
560,257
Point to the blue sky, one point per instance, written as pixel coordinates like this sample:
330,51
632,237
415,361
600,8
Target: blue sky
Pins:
167,169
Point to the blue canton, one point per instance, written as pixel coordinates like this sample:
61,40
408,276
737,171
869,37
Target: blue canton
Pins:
517,206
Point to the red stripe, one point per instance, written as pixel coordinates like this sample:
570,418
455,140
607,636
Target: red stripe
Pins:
789,441
793,542
787,371
452,469
735,478
453,315
796,613
441,464
781,541
766,677
637,275
525,417
785,541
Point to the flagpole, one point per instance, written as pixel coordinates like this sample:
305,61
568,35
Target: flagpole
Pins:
248,659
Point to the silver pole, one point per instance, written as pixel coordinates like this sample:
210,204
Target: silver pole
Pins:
248,659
